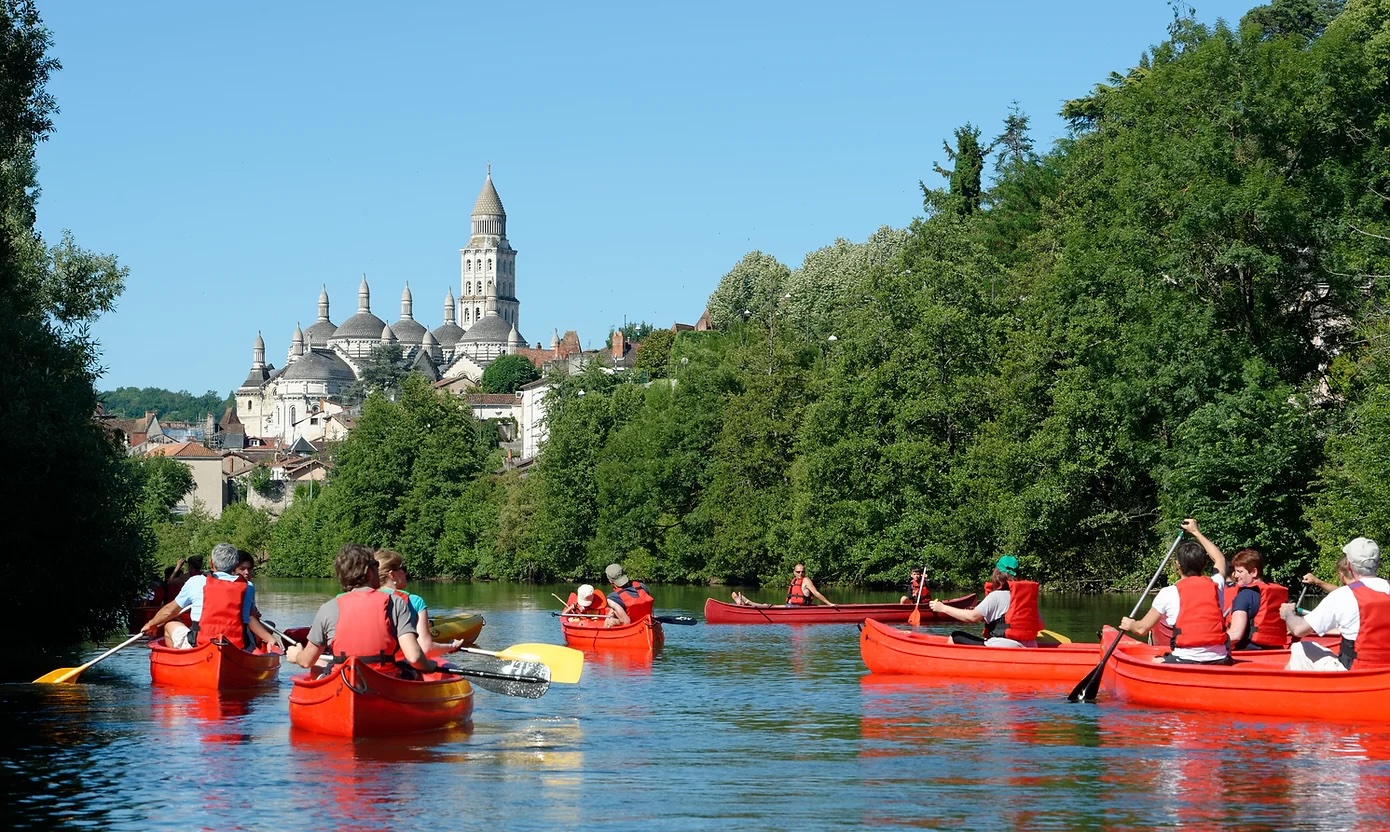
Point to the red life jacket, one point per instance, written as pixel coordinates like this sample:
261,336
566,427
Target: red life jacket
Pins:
1021,621
1200,622
598,605
364,630
635,600
1373,639
220,618
989,587
796,594
1268,629
913,587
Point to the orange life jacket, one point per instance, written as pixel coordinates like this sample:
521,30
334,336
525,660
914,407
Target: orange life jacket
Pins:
598,605
1021,621
364,629
220,618
1200,621
913,587
635,600
796,594
1267,629
989,587
1372,650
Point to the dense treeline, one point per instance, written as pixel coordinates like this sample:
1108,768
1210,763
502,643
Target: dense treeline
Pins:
1177,310
133,402
75,498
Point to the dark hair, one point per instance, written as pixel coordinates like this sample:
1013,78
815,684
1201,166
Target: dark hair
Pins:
353,565
1192,558
999,579
1251,559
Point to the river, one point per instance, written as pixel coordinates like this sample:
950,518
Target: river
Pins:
727,727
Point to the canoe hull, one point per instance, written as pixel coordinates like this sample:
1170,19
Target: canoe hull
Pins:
1256,684
211,666
590,634
722,612
895,652
465,626
354,700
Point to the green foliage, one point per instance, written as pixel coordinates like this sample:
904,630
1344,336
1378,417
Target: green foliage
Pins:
508,372
965,191
195,533
654,353
748,291
262,482
163,482
134,402
78,497
633,332
383,372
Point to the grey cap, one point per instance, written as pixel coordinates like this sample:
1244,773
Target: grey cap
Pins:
1363,555
616,575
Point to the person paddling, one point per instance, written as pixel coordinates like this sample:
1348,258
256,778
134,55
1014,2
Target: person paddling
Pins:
362,623
1193,607
585,601
1009,612
1252,618
391,571
917,589
1360,609
220,605
629,601
799,592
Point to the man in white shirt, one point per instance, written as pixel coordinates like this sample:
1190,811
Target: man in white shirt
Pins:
1338,611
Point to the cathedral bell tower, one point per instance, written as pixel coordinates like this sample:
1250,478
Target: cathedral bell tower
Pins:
488,263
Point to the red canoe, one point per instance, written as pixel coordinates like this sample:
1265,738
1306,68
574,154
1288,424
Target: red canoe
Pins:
890,651
211,666
590,634
722,612
1257,684
353,700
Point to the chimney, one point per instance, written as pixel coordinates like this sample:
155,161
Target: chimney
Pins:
618,346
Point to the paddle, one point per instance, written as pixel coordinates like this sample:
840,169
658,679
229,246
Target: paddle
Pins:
1086,689
683,620
70,674
1057,637
529,680
1298,605
565,663
915,619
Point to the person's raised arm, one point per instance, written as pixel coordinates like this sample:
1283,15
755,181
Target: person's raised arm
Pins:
1218,558
1314,580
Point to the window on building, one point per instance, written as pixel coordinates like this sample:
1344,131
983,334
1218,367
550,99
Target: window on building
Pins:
489,264
291,415
467,265
248,404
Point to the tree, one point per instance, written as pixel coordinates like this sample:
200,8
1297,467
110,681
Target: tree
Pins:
79,495
654,353
508,372
965,191
383,372
163,482
748,290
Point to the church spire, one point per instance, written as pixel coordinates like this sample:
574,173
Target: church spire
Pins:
364,297
258,353
407,304
449,307
323,303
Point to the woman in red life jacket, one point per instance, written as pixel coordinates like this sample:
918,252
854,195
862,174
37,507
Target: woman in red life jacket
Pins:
362,623
220,604
1252,606
1360,609
916,587
1009,613
1193,607
629,601
390,568
799,592
585,601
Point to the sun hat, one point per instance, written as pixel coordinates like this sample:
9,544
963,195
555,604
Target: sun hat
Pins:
1363,554
586,594
616,575
1008,564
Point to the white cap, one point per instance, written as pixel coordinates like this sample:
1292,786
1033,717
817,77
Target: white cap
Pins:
1363,554
586,592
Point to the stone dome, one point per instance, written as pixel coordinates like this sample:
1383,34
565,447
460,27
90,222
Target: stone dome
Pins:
492,329
319,365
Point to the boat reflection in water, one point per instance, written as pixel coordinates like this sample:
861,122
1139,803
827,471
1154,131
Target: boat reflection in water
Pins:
214,716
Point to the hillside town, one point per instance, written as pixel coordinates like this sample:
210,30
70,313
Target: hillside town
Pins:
284,416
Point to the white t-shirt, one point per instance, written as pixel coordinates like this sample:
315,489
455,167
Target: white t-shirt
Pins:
1339,610
1166,602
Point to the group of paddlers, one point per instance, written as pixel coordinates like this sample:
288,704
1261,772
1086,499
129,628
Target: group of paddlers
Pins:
374,619
628,602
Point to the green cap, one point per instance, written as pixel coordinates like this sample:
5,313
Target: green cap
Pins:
1008,564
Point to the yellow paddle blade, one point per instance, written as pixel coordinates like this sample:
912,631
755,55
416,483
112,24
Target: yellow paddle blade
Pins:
62,674
1057,637
565,663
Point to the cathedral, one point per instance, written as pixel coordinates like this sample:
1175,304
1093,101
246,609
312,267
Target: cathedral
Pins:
326,358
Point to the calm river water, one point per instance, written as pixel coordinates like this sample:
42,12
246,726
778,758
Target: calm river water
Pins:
728,727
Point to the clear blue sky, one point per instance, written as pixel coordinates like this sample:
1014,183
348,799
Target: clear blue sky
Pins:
237,156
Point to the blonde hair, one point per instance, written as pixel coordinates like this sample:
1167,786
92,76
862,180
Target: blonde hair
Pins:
386,562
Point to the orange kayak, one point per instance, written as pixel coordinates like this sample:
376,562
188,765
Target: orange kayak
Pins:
354,700
723,612
897,652
590,634
211,666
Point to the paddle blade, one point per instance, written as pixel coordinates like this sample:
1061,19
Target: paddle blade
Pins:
56,677
566,664
686,620
529,680
914,619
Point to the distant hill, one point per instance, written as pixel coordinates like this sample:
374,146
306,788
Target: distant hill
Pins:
130,402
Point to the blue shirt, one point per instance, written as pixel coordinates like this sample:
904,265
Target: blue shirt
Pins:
191,595
1247,601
